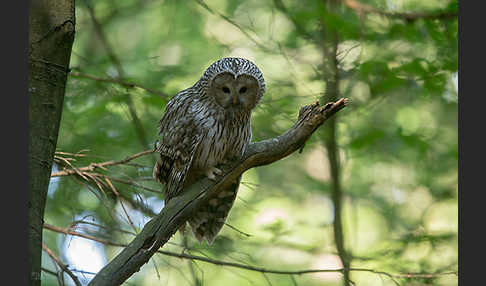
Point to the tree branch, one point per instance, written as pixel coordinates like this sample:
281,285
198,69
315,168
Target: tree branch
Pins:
119,82
159,230
303,32
62,265
232,22
91,167
121,74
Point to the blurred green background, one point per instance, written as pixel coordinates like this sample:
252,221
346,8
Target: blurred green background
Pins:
396,141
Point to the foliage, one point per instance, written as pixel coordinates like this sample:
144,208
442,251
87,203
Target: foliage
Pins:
397,139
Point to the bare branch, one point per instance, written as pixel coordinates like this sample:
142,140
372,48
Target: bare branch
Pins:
121,74
230,21
302,31
120,82
62,265
77,222
105,182
91,167
237,230
101,35
134,184
49,271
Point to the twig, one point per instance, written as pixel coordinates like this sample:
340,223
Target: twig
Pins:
120,82
237,230
230,21
84,272
281,7
79,234
93,166
62,265
49,271
132,183
121,203
293,280
75,223
104,181
266,279
121,74
197,282
101,35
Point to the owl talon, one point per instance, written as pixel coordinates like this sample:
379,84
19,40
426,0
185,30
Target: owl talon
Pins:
210,173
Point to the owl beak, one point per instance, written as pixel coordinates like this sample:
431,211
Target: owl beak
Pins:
235,99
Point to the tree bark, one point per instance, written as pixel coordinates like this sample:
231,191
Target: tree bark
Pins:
159,230
51,35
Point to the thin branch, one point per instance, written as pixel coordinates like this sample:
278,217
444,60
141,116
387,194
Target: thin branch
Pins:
75,223
361,8
237,230
417,275
197,282
62,265
137,123
266,279
49,271
120,82
104,181
91,167
100,180
101,35
117,194
293,280
249,267
302,31
70,231
134,184
230,21
84,272
121,74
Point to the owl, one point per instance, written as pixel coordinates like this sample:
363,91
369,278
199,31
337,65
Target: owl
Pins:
204,126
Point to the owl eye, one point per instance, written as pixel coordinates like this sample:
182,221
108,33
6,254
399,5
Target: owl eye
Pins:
243,89
226,90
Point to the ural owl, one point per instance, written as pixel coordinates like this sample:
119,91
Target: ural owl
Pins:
204,126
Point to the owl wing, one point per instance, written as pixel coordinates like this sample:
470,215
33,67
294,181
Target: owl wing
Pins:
179,140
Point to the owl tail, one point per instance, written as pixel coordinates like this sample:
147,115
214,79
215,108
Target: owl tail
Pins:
209,219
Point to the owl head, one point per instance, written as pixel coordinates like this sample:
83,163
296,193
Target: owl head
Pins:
234,83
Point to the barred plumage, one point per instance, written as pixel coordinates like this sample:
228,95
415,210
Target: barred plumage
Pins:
204,126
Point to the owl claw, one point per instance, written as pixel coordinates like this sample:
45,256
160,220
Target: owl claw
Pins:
210,173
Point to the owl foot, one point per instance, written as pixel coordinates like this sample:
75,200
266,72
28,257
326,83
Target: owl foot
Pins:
210,173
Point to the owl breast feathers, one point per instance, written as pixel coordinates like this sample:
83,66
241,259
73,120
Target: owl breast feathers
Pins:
204,126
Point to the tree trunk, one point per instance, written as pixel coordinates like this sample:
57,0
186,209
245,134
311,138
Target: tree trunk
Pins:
330,42
51,35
